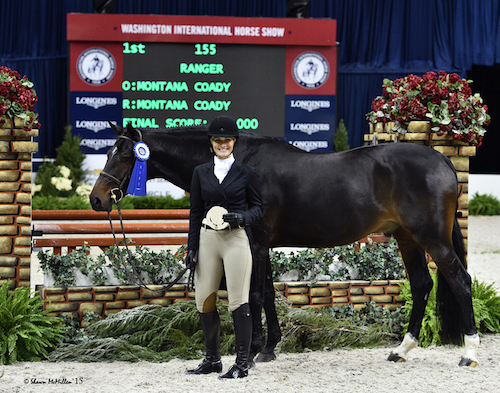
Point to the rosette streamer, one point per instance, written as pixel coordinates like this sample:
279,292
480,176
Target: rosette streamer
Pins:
137,184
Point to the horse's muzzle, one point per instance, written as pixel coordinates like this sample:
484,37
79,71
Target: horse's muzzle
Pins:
98,205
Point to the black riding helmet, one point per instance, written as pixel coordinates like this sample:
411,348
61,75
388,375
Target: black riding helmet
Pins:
223,126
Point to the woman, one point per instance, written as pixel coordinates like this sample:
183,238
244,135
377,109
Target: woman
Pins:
225,200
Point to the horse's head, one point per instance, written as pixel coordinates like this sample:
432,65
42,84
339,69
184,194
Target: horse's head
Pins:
113,181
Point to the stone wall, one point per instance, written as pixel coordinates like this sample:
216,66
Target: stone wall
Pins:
16,147
111,299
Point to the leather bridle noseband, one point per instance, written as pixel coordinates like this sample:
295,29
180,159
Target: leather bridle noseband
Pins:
114,196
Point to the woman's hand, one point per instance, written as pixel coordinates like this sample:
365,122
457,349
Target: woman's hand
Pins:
235,220
191,259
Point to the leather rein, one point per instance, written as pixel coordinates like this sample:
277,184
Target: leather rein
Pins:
117,194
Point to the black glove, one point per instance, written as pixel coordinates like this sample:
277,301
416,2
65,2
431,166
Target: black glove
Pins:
235,220
191,259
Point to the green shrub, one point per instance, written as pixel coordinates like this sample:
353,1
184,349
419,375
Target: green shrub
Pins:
77,202
26,331
70,155
340,139
431,324
486,304
50,202
484,205
62,177
153,202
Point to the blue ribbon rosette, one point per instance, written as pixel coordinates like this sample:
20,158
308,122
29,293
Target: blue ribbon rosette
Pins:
137,184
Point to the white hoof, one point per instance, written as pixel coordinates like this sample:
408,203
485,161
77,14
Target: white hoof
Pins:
469,358
400,353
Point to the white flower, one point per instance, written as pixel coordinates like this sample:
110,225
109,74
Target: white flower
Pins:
65,171
84,190
35,188
61,183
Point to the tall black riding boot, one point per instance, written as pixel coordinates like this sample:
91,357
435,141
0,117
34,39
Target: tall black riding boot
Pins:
210,323
242,320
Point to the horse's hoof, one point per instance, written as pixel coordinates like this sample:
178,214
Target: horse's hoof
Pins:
395,358
265,357
251,364
468,363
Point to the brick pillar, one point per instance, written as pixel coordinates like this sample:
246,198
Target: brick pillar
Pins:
16,147
457,151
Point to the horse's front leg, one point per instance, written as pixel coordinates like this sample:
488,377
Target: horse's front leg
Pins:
421,285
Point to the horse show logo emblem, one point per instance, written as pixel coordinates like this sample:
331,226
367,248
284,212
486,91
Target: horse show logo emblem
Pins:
310,70
96,66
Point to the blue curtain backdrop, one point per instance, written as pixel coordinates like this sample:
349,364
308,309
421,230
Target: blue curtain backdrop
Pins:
378,39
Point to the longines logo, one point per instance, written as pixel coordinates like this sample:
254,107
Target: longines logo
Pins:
96,66
309,128
96,102
92,125
310,145
310,70
310,105
97,144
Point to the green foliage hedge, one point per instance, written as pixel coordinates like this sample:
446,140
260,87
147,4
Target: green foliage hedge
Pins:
77,202
484,205
485,300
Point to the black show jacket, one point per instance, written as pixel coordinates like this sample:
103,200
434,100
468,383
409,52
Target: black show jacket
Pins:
239,192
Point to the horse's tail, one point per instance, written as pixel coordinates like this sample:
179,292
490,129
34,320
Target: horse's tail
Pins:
448,307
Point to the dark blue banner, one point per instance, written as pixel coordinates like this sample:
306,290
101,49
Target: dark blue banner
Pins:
90,112
310,122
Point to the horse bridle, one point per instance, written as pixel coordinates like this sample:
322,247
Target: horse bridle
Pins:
117,200
118,182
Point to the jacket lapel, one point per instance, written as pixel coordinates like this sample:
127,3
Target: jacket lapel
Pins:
212,179
232,175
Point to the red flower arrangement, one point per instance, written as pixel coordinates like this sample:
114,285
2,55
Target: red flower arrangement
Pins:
17,98
445,100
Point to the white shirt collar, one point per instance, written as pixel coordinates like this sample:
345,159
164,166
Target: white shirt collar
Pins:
222,167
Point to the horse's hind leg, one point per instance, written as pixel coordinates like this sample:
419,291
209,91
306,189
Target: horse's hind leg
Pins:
421,285
455,302
273,328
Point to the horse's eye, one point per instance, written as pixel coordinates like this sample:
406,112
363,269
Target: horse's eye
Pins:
125,159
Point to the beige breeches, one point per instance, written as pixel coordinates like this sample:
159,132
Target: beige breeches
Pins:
219,252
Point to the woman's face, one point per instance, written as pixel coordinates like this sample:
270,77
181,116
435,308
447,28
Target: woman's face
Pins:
223,147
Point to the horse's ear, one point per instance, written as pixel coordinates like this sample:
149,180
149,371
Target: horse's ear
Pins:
116,128
132,132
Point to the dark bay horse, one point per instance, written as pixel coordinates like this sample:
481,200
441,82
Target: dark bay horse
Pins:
323,200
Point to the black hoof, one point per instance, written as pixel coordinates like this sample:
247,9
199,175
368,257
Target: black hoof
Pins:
468,363
265,357
395,358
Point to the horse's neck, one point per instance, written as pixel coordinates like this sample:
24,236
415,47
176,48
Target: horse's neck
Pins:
174,157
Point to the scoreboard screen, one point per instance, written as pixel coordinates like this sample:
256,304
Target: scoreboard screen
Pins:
175,84
274,76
